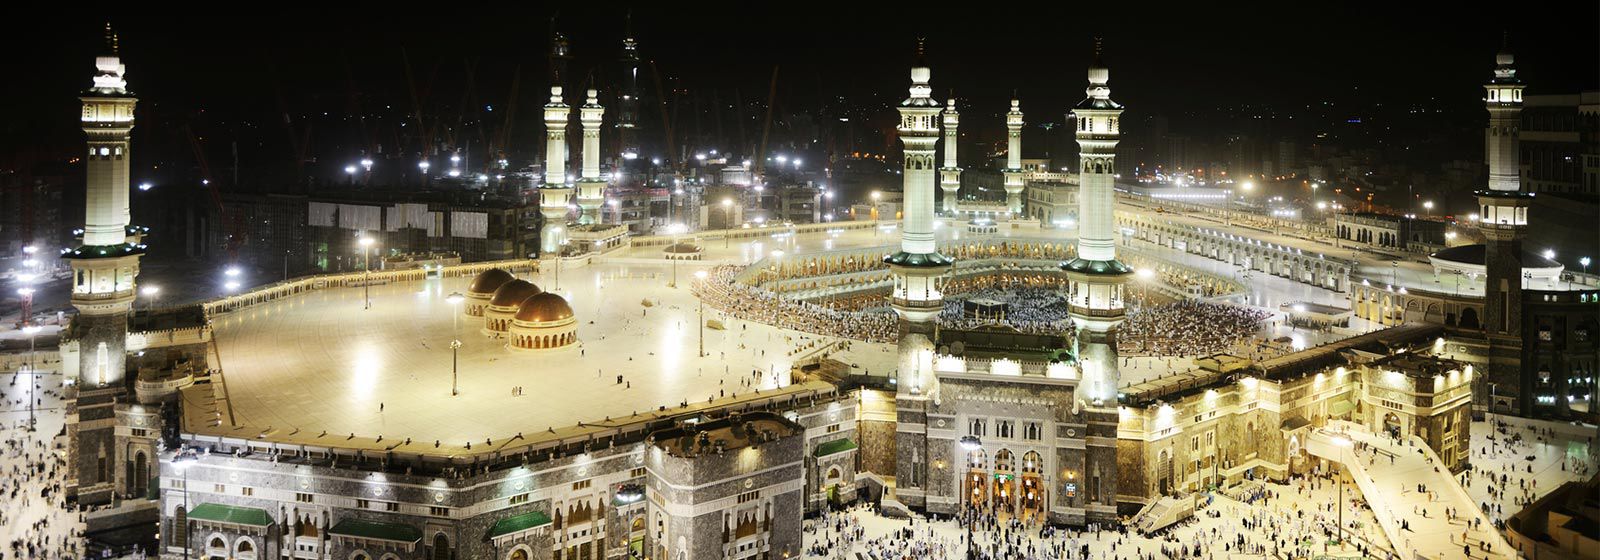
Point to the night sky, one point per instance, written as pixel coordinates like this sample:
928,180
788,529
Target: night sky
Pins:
1186,62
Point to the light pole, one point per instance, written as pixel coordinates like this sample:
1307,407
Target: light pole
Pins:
366,270
1584,261
182,460
970,444
150,292
33,372
1146,275
700,315
26,293
875,197
455,299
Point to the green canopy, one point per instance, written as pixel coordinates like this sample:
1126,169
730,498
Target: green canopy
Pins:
376,530
835,446
517,523
231,514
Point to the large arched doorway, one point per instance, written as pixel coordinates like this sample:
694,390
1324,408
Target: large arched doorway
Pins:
977,480
1391,425
441,547
1032,493
1164,472
1005,483
140,485
1469,318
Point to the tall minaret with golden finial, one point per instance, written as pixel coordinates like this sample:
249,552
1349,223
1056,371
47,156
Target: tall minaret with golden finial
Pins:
104,266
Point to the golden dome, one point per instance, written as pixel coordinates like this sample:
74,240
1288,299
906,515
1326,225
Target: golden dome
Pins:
544,308
490,280
512,293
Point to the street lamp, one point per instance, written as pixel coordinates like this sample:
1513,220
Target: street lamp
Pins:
700,275
970,443
455,299
150,292
27,297
366,265
181,461
33,372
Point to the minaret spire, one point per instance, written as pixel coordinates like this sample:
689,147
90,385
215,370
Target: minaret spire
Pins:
554,195
918,267
1014,182
591,189
950,174
104,268
1096,279
1503,204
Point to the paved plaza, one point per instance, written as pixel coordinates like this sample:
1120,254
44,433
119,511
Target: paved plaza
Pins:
322,361
34,519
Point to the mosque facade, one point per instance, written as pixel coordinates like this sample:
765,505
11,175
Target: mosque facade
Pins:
1033,426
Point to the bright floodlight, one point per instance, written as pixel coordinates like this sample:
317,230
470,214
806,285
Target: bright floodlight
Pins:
423,165
1248,186
367,163
454,298
231,285
30,249
350,169
145,186
233,271
876,195
701,274
30,329
1427,204
366,242
1584,261
1550,254
727,202
150,290
25,292
455,158
1146,273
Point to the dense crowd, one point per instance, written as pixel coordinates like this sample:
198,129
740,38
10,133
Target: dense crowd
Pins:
1027,309
721,291
1187,328
35,521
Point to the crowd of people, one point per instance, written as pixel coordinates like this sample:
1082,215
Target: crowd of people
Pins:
35,521
1187,328
722,291
1028,309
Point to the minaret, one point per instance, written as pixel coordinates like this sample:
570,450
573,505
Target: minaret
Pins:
1096,278
918,267
1096,283
554,195
1013,170
919,273
591,189
950,174
103,268
1503,207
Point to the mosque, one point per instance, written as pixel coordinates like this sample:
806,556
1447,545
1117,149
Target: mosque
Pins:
258,431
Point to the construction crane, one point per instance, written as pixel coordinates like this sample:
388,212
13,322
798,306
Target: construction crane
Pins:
234,222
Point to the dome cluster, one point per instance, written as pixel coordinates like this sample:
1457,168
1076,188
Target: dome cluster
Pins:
531,318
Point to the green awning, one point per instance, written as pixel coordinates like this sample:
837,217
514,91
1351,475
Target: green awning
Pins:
835,446
219,513
1341,407
376,530
517,523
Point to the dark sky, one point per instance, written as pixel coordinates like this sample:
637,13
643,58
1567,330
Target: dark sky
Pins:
1192,59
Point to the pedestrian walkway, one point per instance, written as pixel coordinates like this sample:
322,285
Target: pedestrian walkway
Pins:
1418,503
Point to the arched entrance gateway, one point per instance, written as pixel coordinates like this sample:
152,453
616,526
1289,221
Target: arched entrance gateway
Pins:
1031,497
1005,482
1391,425
976,483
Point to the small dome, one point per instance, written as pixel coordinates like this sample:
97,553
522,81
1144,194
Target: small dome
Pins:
514,292
544,308
490,280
